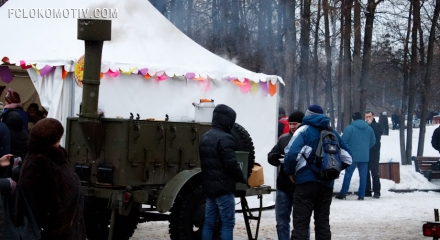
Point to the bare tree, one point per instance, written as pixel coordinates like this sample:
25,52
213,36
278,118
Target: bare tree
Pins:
304,42
428,78
405,90
412,80
328,55
315,55
366,61
290,52
348,4
356,78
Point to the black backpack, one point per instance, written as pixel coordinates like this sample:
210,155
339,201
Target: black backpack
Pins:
326,163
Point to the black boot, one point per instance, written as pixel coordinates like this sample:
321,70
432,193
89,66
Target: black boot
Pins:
340,196
360,198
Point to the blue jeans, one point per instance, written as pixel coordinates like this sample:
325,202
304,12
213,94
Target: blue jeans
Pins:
223,207
362,169
283,209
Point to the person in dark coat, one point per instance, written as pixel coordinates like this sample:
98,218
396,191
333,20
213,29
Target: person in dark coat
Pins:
395,118
383,121
435,140
51,188
13,101
285,187
19,136
220,172
373,164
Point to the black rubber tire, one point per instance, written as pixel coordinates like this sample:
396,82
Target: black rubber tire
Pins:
188,215
97,220
244,143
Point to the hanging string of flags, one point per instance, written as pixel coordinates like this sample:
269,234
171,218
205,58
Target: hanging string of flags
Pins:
266,87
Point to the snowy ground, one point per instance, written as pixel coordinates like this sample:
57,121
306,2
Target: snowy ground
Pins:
393,216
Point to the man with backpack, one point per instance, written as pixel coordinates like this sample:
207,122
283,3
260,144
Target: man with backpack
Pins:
313,191
359,136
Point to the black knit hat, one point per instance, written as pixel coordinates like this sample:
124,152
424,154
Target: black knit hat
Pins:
296,117
47,131
356,116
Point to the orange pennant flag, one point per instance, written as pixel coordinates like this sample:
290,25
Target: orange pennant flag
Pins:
101,75
238,83
63,73
272,88
147,76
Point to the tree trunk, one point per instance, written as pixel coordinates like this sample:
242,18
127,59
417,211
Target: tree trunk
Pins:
315,56
234,29
357,58
405,90
328,55
366,61
347,62
341,123
189,13
428,79
289,56
304,58
412,79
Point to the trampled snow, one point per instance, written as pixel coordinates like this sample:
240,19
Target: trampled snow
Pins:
393,216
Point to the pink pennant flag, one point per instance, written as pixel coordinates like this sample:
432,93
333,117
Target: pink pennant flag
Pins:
143,71
6,74
45,70
113,74
190,75
246,86
207,83
23,65
162,77
264,88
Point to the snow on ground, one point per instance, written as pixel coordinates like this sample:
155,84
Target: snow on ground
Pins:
393,216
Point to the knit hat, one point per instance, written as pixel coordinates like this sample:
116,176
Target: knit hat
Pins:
281,111
47,131
314,109
356,116
12,97
296,117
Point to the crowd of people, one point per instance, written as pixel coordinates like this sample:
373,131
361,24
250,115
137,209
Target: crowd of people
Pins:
300,192
41,196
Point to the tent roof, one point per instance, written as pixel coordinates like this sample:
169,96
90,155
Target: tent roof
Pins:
141,38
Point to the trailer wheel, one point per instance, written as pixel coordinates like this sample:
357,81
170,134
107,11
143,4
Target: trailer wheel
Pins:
97,220
244,143
188,215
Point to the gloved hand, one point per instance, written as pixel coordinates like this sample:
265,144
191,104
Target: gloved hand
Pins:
274,159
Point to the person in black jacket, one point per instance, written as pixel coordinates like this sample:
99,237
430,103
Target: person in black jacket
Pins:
285,187
220,173
373,164
19,136
435,141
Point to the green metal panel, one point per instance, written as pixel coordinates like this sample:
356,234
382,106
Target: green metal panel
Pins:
172,188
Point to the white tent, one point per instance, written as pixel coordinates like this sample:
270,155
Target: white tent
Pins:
143,41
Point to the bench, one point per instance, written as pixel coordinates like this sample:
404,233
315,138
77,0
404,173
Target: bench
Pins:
423,166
